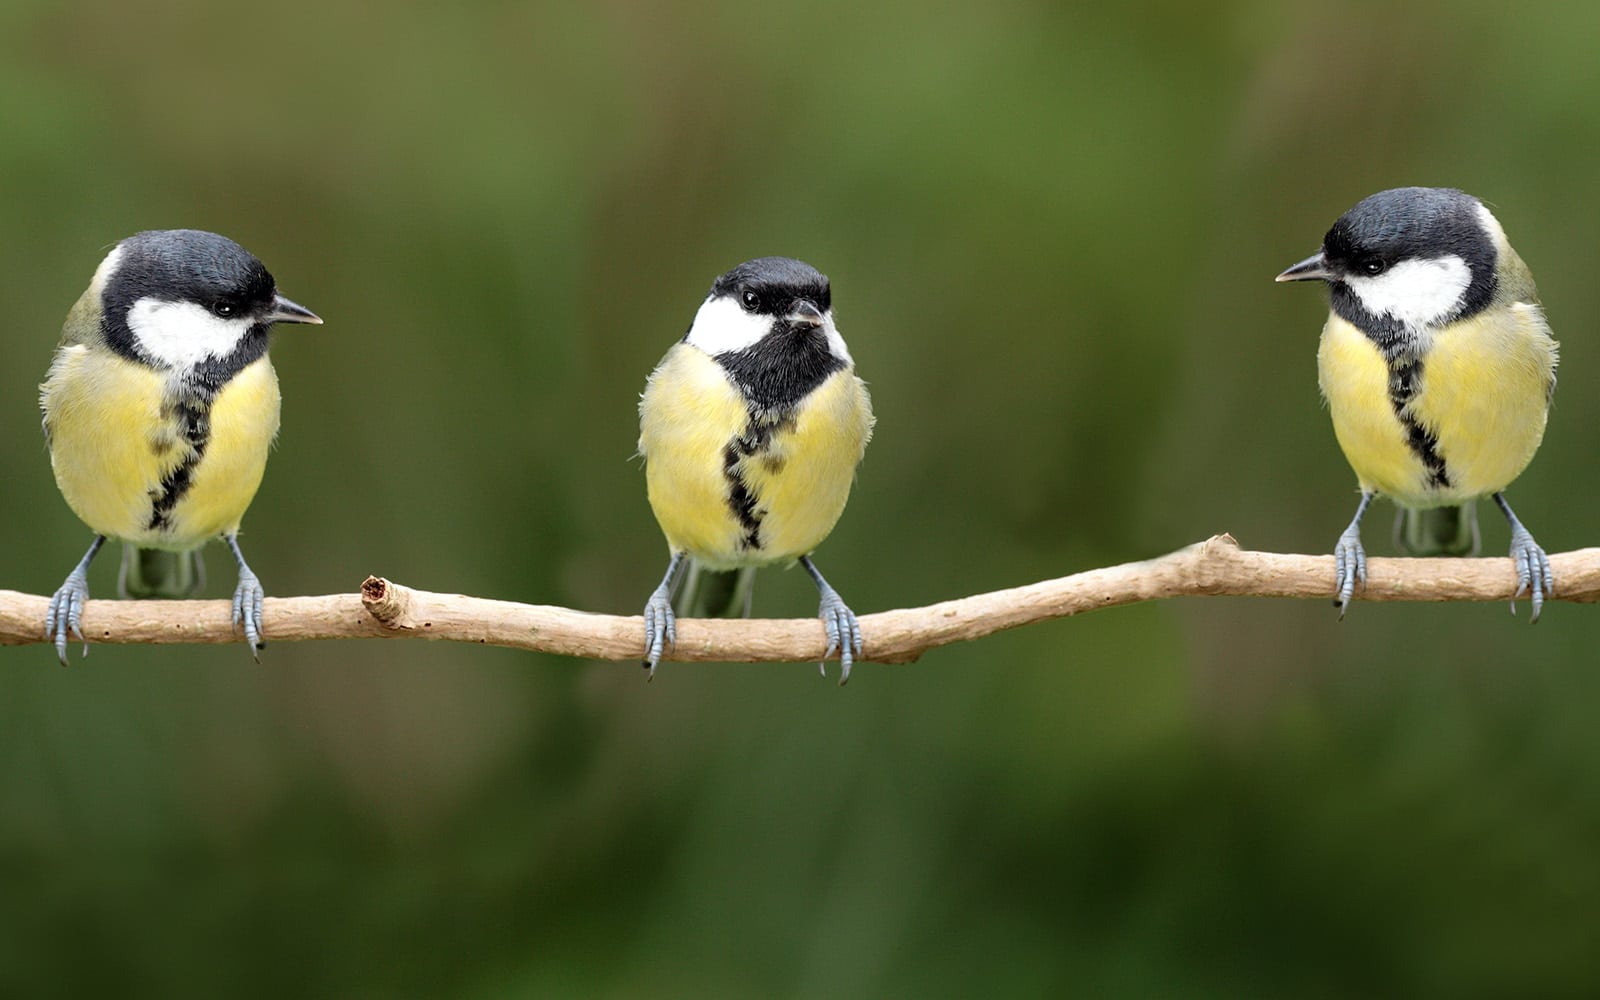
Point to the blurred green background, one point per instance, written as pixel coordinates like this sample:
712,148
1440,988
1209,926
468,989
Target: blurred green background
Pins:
1052,231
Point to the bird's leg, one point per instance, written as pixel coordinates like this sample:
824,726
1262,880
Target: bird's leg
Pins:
839,622
247,598
1349,558
660,625
66,605
1533,566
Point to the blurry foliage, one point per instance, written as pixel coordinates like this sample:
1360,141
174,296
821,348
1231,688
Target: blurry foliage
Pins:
1052,231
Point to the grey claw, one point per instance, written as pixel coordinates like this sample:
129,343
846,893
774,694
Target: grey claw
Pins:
843,632
1350,567
247,601
65,615
1533,571
660,628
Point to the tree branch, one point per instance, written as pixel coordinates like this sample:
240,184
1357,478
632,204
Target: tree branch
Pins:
383,609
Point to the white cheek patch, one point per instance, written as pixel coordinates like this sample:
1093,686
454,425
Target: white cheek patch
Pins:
721,327
1418,293
183,334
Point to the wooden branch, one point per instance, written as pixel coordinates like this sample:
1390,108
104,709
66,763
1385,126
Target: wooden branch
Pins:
383,609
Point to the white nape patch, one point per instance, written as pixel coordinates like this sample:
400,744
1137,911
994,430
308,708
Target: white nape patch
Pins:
103,273
1491,225
1418,293
183,334
722,326
835,341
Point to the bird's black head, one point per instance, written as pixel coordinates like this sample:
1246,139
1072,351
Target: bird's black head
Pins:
769,324
775,286
178,298
189,265
1407,258
1414,223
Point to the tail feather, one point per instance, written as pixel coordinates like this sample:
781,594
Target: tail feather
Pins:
158,573
714,593
1439,531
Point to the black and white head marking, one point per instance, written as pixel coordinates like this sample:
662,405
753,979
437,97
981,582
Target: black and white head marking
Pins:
1404,262
189,301
769,324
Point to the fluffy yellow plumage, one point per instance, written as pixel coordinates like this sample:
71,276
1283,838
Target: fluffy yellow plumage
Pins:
113,438
1484,395
800,481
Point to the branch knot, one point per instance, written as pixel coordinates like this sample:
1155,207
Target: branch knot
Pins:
385,601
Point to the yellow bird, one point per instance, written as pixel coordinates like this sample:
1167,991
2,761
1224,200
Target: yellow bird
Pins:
1438,367
751,428
159,408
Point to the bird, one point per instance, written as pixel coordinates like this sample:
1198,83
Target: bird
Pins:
159,407
751,428
1438,367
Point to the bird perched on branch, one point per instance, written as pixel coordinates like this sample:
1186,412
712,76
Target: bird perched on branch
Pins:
159,408
1438,367
751,428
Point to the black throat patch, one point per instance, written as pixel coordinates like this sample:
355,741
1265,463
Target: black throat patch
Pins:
1392,336
776,372
1405,381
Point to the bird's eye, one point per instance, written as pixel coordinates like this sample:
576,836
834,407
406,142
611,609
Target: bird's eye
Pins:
1373,266
751,300
223,309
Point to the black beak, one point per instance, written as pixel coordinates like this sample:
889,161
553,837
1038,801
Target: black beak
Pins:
806,313
284,311
1311,268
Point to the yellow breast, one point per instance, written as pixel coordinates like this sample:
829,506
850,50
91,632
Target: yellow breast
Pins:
1482,393
114,438
1486,390
690,417
802,480
244,422
1355,381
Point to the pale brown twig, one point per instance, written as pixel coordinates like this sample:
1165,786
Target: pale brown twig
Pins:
383,609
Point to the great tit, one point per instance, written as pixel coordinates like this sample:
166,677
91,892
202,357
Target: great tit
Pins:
1438,367
159,408
751,428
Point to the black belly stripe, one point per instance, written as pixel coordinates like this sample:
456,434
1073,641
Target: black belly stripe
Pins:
753,442
740,500
188,410
192,414
1405,376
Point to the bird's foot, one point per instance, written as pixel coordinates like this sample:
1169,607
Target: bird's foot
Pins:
66,613
1350,567
247,598
1533,571
660,627
844,633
